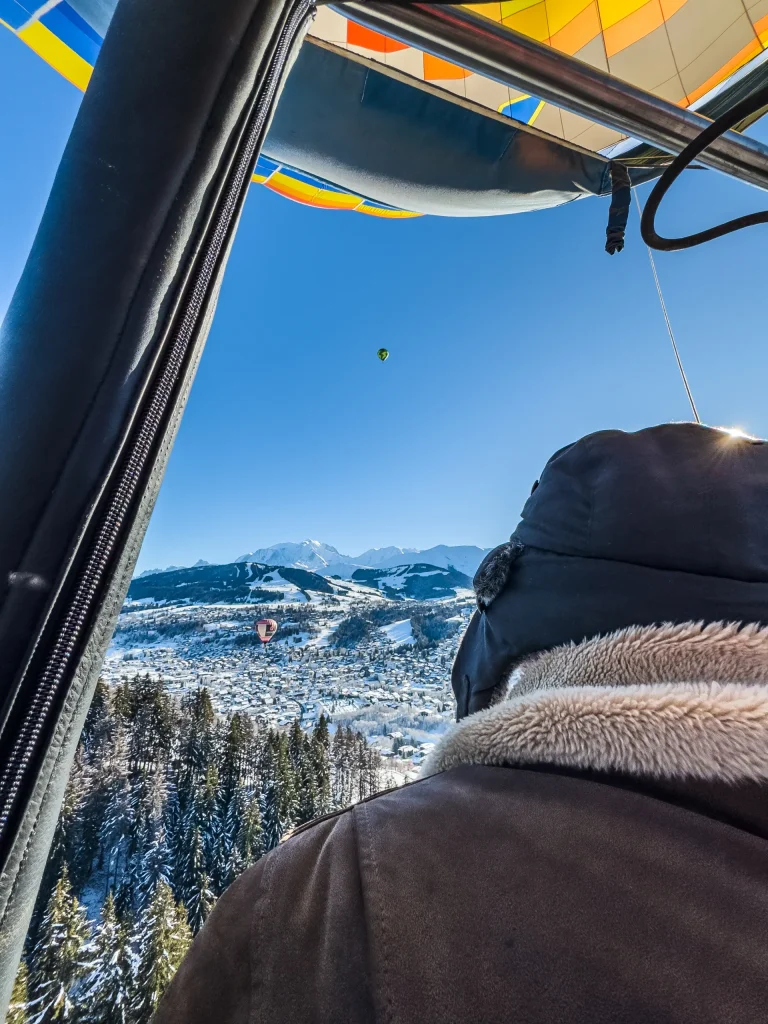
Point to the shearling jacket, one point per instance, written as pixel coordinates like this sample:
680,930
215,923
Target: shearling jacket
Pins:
593,848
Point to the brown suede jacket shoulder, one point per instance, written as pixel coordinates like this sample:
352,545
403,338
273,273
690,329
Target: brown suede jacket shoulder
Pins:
594,848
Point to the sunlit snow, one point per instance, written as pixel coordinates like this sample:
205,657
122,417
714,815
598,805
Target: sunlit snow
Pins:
400,632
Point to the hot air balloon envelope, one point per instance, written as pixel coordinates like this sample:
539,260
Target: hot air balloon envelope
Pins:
383,354
266,629
371,125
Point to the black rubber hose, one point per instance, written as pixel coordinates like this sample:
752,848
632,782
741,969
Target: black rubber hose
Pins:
647,222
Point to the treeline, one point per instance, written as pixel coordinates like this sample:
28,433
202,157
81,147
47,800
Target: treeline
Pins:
166,804
430,628
429,625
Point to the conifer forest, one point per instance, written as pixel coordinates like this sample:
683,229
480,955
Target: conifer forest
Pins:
166,804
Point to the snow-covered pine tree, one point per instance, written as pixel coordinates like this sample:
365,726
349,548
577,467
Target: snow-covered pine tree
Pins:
373,771
209,817
151,731
271,819
122,703
124,899
279,797
128,878
265,758
295,744
117,826
341,760
236,754
194,858
249,844
173,828
107,992
360,766
320,732
286,778
155,793
233,823
17,1011
308,806
156,866
162,938
201,903
321,763
193,866
208,793
145,857
98,724
197,743
220,836
103,768
58,961
192,874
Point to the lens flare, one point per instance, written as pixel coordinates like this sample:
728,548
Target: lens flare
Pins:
738,434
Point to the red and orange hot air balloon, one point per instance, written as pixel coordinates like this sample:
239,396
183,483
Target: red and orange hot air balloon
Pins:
266,629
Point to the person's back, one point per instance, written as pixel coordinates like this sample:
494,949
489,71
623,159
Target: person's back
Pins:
590,842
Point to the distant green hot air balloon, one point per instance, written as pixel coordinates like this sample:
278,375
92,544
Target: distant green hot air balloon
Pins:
383,354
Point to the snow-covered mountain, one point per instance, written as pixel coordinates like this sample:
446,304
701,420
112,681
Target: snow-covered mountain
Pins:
375,557
315,556
171,568
154,572
327,560
307,554
465,558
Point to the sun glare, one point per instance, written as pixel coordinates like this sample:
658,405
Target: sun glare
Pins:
737,432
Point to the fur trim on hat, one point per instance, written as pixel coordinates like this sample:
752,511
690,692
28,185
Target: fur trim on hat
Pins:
686,701
493,572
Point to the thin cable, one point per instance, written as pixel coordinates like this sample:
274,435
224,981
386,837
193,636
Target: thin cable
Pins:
670,332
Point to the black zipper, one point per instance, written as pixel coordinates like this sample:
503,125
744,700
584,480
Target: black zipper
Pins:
105,546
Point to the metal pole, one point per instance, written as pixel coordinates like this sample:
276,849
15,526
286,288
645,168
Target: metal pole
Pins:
490,49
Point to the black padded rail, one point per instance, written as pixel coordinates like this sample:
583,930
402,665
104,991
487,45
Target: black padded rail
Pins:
87,330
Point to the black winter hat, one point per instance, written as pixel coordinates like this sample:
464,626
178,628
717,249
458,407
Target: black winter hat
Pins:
668,524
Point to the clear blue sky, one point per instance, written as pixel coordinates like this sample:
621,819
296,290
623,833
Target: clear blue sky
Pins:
509,337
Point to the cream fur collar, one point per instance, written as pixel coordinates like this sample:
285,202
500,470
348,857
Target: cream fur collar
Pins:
688,701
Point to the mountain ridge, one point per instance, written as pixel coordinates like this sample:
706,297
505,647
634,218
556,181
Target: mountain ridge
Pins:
256,583
316,556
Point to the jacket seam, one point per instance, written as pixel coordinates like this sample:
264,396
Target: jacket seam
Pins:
367,925
255,949
380,916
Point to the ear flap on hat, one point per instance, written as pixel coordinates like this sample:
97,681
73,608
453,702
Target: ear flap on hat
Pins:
493,573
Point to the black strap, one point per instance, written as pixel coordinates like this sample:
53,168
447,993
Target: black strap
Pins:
621,194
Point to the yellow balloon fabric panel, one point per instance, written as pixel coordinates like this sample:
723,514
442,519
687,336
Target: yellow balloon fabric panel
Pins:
678,49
